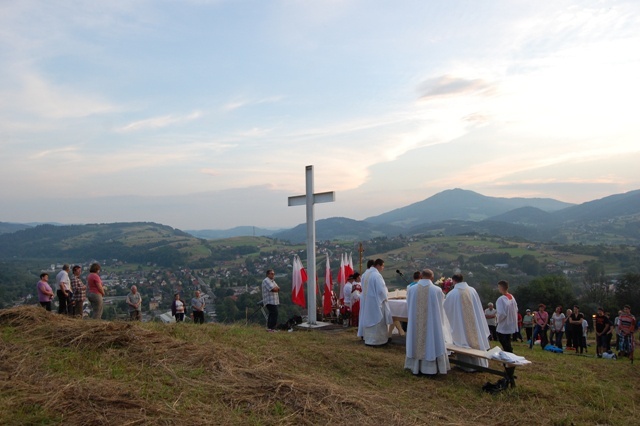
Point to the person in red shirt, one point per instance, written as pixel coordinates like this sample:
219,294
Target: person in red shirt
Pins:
45,292
626,327
96,291
541,325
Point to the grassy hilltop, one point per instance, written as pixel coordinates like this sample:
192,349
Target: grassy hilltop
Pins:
56,370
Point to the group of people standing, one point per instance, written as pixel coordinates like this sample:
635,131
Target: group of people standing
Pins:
72,292
575,326
179,308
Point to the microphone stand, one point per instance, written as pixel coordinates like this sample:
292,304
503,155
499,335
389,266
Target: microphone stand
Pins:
400,273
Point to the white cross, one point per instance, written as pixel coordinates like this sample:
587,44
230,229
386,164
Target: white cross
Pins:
309,200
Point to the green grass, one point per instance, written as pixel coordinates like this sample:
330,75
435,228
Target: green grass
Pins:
450,248
9,335
152,373
196,250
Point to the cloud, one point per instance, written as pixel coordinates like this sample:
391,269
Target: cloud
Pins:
254,132
210,172
159,122
35,95
606,180
575,190
59,152
447,85
539,95
477,118
242,103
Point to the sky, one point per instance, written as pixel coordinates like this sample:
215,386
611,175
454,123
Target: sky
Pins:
204,114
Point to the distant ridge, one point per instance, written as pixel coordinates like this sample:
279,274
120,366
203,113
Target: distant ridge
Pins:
460,204
7,228
238,231
530,216
613,219
340,228
626,204
135,241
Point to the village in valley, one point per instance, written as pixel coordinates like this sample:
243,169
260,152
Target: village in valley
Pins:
230,286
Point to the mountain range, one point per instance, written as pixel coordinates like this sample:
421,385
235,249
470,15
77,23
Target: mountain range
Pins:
460,204
238,231
614,219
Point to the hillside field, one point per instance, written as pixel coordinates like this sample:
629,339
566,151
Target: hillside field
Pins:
56,370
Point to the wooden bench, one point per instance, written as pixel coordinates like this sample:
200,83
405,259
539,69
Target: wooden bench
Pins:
509,367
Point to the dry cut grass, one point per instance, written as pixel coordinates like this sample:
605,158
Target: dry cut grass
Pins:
55,369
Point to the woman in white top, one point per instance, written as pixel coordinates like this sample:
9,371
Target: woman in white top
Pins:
557,326
177,308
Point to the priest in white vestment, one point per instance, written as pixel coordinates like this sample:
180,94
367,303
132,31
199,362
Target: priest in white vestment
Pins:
364,282
469,327
375,315
428,330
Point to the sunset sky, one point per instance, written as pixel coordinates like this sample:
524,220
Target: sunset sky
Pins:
203,114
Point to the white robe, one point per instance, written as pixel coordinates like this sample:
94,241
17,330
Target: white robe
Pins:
469,327
347,294
507,315
428,330
375,315
363,283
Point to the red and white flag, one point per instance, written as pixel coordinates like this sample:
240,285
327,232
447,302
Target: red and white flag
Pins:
303,272
298,278
348,266
328,286
342,279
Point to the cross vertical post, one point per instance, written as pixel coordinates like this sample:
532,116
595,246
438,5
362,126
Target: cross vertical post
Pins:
310,199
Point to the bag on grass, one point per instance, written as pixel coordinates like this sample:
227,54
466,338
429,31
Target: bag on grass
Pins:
496,387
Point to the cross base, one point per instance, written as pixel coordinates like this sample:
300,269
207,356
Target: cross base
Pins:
318,324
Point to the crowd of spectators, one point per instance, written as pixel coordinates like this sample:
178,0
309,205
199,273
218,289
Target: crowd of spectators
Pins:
568,330
72,293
